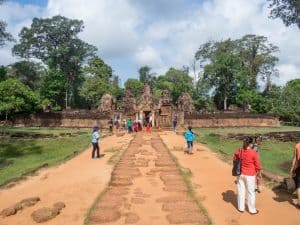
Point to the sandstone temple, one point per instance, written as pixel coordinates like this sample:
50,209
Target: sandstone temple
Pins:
159,112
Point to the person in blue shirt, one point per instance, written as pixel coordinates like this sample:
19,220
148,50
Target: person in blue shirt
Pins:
95,140
189,136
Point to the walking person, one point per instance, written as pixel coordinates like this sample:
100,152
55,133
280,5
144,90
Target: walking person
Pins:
95,140
255,146
129,126
250,167
189,137
295,170
175,123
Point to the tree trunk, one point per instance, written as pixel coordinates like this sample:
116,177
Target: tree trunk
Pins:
225,103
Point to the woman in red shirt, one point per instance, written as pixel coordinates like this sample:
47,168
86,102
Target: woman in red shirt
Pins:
295,170
250,167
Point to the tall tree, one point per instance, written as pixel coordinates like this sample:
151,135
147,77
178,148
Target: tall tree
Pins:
258,59
179,81
55,41
4,35
287,10
144,74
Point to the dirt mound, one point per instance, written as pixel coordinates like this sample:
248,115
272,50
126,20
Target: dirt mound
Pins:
44,214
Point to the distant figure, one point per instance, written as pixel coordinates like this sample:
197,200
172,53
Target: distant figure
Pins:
189,137
148,128
95,140
255,146
129,126
295,170
135,126
110,125
250,167
175,123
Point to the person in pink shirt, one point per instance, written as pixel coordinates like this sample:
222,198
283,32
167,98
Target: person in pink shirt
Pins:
250,167
295,170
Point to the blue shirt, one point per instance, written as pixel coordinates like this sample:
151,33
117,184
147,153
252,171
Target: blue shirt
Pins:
189,136
95,137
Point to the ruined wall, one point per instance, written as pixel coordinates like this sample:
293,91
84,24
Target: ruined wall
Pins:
78,118
233,122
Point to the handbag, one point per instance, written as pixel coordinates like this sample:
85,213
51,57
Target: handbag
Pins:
236,169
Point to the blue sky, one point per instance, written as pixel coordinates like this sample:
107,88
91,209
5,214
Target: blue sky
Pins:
161,33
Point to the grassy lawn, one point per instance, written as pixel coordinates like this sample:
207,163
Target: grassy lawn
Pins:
20,156
275,155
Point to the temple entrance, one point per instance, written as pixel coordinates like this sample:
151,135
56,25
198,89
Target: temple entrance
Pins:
147,117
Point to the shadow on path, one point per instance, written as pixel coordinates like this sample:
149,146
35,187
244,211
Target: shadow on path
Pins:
283,195
230,197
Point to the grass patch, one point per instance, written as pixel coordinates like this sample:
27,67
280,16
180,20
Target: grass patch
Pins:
275,155
21,156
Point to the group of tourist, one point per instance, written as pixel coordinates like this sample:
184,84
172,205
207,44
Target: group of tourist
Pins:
249,181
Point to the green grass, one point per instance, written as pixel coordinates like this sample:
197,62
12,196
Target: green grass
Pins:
275,155
21,156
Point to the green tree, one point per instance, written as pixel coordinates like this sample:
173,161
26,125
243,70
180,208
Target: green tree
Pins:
288,104
258,60
287,10
15,97
28,72
3,73
135,86
98,80
4,35
144,75
178,81
55,41
223,70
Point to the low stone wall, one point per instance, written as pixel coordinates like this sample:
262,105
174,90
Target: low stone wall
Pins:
233,122
62,119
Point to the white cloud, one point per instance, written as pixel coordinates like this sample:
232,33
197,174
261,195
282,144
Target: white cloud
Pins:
163,33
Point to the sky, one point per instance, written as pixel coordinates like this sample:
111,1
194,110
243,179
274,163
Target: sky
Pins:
130,34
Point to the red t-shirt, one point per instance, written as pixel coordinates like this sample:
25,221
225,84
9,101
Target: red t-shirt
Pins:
250,161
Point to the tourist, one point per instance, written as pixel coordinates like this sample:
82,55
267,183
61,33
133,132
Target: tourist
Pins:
95,140
110,125
189,137
124,125
148,128
135,126
295,170
255,146
129,126
175,123
250,167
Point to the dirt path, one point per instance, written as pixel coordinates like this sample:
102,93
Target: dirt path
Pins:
215,186
77,183
146,188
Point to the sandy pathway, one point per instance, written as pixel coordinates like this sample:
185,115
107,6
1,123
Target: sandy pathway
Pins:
215,186
146,189
77,183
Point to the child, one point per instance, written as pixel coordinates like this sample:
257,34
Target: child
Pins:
148,128
189,136
255,146
95,139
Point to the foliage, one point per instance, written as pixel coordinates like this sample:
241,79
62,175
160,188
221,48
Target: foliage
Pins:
178,81
53,89
135,86
16,97
55,42
287,10
287,105
234,65
3,73
4,35
145,76
28,72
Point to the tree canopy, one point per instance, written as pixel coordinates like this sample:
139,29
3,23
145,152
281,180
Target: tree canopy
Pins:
287,10
4,35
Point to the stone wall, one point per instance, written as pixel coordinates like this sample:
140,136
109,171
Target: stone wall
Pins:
233,122
78,118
